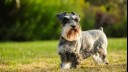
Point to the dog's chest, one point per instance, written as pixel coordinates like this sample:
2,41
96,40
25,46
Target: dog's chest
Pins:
71,45
68,46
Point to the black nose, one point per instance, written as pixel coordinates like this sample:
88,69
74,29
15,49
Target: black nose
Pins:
73,26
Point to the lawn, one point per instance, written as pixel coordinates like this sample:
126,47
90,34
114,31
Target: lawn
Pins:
41,56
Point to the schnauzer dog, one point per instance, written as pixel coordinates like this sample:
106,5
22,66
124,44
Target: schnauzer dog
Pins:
76,45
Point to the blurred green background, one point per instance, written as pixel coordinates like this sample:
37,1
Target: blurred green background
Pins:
29,20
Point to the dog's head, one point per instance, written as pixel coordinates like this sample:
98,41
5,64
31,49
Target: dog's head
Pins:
71,29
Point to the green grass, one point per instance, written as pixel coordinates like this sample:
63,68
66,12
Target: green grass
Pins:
41,56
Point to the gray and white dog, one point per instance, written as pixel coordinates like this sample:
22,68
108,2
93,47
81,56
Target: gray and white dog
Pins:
76,45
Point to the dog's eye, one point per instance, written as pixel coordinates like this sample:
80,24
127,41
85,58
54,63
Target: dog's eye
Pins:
65,20
76,19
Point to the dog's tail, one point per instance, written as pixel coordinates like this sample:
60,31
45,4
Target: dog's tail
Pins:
101,28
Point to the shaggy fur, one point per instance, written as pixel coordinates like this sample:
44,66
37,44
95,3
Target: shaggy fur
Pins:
76,45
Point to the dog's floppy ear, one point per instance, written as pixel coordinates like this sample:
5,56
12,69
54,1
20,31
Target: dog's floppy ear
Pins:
61,15
77,15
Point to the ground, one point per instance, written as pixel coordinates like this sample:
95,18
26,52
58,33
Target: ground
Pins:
41,56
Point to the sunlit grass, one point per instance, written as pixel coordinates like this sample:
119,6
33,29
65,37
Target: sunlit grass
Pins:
41,56
117,44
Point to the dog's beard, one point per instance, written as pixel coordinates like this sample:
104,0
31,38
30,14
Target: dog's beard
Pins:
71,34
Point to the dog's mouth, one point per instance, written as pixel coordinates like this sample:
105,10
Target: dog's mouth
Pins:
74,30
72,34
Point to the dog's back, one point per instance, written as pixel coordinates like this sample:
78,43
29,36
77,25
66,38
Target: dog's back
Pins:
94,34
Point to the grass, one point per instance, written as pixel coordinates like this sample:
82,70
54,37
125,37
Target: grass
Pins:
41,56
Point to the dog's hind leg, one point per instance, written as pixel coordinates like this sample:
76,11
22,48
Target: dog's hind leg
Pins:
100,51
103,56
100,56
97,58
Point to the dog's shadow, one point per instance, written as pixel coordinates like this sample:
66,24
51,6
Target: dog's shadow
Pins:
104,68
88,68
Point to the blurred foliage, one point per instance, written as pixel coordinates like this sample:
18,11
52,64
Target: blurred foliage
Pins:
23,20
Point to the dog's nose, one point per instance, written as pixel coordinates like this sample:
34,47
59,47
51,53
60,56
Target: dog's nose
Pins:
73,26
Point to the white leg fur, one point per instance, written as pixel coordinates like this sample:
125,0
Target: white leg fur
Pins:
97,59
66,65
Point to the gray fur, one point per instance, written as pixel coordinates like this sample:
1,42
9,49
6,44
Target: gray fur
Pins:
89,43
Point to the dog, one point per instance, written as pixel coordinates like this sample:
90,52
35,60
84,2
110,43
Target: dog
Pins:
76,45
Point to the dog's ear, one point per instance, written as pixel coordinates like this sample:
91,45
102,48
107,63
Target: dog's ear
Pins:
61,15
77,15
73,13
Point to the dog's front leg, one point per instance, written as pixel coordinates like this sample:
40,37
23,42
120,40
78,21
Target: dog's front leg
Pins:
65,62
73,59
68,60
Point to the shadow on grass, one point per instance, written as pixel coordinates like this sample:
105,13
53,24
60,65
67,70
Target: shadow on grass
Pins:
107,68
41,67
